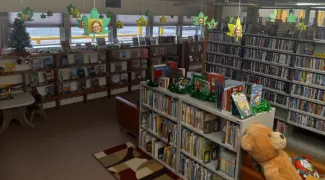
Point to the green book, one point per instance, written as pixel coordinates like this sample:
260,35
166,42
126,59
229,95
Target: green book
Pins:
195,77
202,86
242,105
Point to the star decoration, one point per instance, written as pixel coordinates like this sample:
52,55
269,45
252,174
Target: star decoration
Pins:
101,16
85,22
292,18
76,13
235,30
302,26
119,24
26,15
273,16
141,21
49,13
212,24
231,19
43,16
70,9
201,19
147,13
163,19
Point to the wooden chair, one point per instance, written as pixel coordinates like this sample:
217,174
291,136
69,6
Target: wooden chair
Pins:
37,107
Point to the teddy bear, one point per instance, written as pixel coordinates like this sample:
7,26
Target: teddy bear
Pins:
266,147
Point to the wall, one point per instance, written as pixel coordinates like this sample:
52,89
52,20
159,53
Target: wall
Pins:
128,6
232,11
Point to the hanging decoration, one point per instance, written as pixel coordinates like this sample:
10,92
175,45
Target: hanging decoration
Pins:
109,14
163,19
292,18
26,15
201,19
264,106
49,13
231,19
94,25
302,26
212,24
101,16
273,16
141,21
43,16
119,24
235,30
172,16
70,9
76,13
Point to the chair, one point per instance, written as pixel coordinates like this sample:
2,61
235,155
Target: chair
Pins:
37,107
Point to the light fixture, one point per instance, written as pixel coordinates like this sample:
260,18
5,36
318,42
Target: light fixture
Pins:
310,4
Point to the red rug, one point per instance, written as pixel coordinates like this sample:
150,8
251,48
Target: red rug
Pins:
127,162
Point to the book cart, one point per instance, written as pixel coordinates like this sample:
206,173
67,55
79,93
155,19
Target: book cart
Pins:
162,126
293,80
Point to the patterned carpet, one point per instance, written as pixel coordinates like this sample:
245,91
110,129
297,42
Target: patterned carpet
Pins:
127,162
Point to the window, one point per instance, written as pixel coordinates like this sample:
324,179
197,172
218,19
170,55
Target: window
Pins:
77,34
169,27
42,31
128,32
191,31
168,30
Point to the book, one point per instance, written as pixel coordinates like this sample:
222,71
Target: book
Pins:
242,104
65,45
88,44
93,58
135,41
135,64
213,78
144,53
101,43
153,40
256,95
79,59
144,63
134,53
66,88
116,79
48,76
142,41
65,74
115,55
100,70
163,82
148,42
230,87
82,84
50,91
124,78
91,71
64,61
202,86
158,71
171,64
81,72
123,55
36,64
34,78
48,62
74,73
95,83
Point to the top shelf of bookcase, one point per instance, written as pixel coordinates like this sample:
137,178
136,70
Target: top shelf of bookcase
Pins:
207,106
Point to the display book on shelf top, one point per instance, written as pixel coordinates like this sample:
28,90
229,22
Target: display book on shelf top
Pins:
301,85
180,151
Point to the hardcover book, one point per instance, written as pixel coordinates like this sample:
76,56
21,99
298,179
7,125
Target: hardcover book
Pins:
135,41
81,72
74,73
48,76
122,54
256,95
79,59
124,78
144,53
65,74
34,78
213,77
48,62
142,41
134,53
230,87
171,64
158,71
50,90
202,86
101,70
163,82
135,64
243,107
36,64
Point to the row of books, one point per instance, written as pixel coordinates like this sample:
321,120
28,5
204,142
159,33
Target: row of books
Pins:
66,87
160,125
310,63
194,171
231,134
120,66
76,73
120,78
127,54
78,59
267,69
156,61
158,149
308,92
308,107
201,120
276,98
226,49
47,75
147,41
282,128
267,82
164,103
307,121
268,42
199,147
308,78
139,75
222,37
279,58
224,60
158,51
229,73
227,162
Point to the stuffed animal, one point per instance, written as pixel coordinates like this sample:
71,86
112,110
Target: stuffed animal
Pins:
266,147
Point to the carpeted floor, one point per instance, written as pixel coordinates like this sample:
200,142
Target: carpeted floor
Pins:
61,147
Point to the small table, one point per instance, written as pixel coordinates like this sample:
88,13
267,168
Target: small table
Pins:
15,109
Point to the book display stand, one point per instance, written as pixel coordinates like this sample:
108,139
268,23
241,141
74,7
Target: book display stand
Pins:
191,136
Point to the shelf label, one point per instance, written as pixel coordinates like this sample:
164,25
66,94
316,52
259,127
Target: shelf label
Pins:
320,55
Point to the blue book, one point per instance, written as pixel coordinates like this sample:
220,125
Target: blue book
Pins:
256,95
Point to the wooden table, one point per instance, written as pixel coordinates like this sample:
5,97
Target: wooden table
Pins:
15,109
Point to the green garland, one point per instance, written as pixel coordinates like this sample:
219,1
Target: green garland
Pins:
264,106
201,96
190,89
151,84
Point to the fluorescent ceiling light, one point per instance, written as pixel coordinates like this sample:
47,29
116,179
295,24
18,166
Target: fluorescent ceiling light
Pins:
310,4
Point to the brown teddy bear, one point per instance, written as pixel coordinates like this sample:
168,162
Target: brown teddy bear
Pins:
266,147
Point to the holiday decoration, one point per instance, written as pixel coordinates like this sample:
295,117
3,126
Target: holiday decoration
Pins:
147,13
302,26
26,15
101,16
141,21
70,9
43,16
163,19
76,13
94,25
273,16
19,37
235,30
212,24
201,19
264,106
119,24
172,16
292,18
49,13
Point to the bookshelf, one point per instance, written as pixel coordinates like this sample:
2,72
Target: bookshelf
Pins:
193,54
291,75
160,105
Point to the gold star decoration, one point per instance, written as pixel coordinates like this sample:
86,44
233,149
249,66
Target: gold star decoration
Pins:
76,13
302,26
141,21
163,19
235,30
119,24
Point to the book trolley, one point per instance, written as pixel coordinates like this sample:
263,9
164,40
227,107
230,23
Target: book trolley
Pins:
168,134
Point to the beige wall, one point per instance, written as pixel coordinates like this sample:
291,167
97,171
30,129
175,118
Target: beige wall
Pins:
128,6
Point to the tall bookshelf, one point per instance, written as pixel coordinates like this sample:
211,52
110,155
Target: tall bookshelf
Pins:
151,110
292,79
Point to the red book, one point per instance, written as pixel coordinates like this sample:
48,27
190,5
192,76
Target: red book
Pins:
212,77
158,71
144,53
171,64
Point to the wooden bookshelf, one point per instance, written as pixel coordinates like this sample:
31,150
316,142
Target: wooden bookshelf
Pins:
216,137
